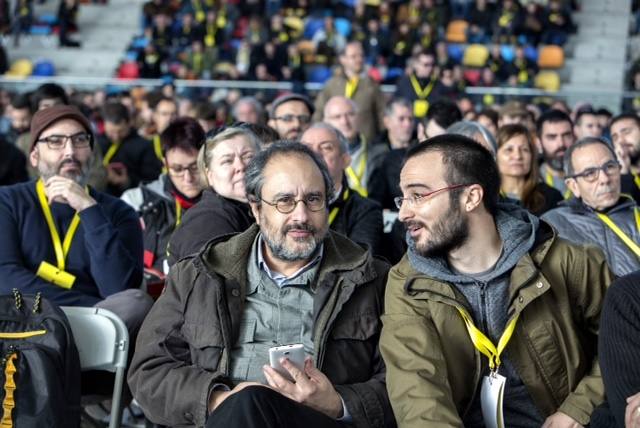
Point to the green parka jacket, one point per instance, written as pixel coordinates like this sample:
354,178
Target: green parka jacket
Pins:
184,345
434,370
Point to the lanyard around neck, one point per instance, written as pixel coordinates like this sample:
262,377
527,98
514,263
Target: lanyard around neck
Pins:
484,344
623,236
636,179
178,213
113,149
358,176
334,212
420,92
61,249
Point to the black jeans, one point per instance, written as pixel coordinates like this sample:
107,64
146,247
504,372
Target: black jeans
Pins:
260,407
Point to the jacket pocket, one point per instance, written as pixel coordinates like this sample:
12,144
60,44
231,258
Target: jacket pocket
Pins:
205,345
549,359
243,351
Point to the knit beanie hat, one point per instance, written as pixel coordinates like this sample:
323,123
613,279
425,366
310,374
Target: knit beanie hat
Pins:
50,115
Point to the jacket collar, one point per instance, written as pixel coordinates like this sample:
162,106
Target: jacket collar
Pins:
579,207
228,256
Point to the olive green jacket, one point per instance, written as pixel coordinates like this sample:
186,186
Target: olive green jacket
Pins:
433,369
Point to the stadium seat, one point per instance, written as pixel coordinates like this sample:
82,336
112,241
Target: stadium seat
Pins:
313,25
40,30
43,68
531,53
306,47
508,53
551,56
455,52
319,74
475,56
343,26
20,68
472,76
393,73
457,31
129,70
547,80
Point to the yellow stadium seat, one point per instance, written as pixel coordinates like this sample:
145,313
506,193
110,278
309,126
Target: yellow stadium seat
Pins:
475,56
551,56
20,68
457,31
547,80
306,47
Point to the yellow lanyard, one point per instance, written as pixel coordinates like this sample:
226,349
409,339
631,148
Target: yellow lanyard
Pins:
636,179
357,177
623,236
334,212
210,38
178,213
484,344
113,148
549,180
157,148
61,249
351,87
420,92
199,15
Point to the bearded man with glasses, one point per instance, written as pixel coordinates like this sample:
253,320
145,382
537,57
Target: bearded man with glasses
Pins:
60,237
490,319
203,354
599,214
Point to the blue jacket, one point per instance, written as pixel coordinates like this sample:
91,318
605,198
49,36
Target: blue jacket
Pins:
105,254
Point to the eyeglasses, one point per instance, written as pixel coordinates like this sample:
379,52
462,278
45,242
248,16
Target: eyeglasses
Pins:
419,198
287,204
80,140
591,174
288,118
179,170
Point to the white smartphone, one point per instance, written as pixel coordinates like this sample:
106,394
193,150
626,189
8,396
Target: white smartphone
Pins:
295,354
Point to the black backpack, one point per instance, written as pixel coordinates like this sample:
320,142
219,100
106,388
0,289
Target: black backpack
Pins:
40,366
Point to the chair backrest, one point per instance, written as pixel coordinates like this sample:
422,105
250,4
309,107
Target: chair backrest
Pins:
547,80
101,337
551,56
102,340
457,31
475,55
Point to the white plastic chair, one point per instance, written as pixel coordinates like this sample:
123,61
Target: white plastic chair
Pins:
102,340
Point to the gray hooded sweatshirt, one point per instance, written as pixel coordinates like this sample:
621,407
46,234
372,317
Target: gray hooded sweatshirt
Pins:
487,295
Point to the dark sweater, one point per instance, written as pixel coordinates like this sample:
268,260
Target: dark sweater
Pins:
619,347
210,218
13,164
105,254
384,184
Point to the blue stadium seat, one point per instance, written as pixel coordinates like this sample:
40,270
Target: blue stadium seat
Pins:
48,18
319,74
507,52
40,30
455,52
312,26
393,73
531,53
43,68
343,26
139,43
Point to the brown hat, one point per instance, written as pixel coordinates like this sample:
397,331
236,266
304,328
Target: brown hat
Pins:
290,96
50,115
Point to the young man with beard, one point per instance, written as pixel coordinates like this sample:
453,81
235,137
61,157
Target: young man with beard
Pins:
75,245
625,135
598,214
481,278
202,357
555,136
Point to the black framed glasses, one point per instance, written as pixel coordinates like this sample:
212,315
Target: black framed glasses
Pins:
287,204
288,118
418,198
80,140
180,170
590,175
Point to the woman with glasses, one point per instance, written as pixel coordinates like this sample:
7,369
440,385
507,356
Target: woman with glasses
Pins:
223,209
518,166
162,203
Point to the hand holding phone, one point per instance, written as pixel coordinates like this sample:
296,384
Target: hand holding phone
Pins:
294,353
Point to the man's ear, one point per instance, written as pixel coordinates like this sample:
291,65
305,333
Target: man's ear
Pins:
34,156
473,198
255,210
572,184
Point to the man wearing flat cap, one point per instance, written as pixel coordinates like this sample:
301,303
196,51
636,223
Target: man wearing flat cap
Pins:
290,115
75,245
